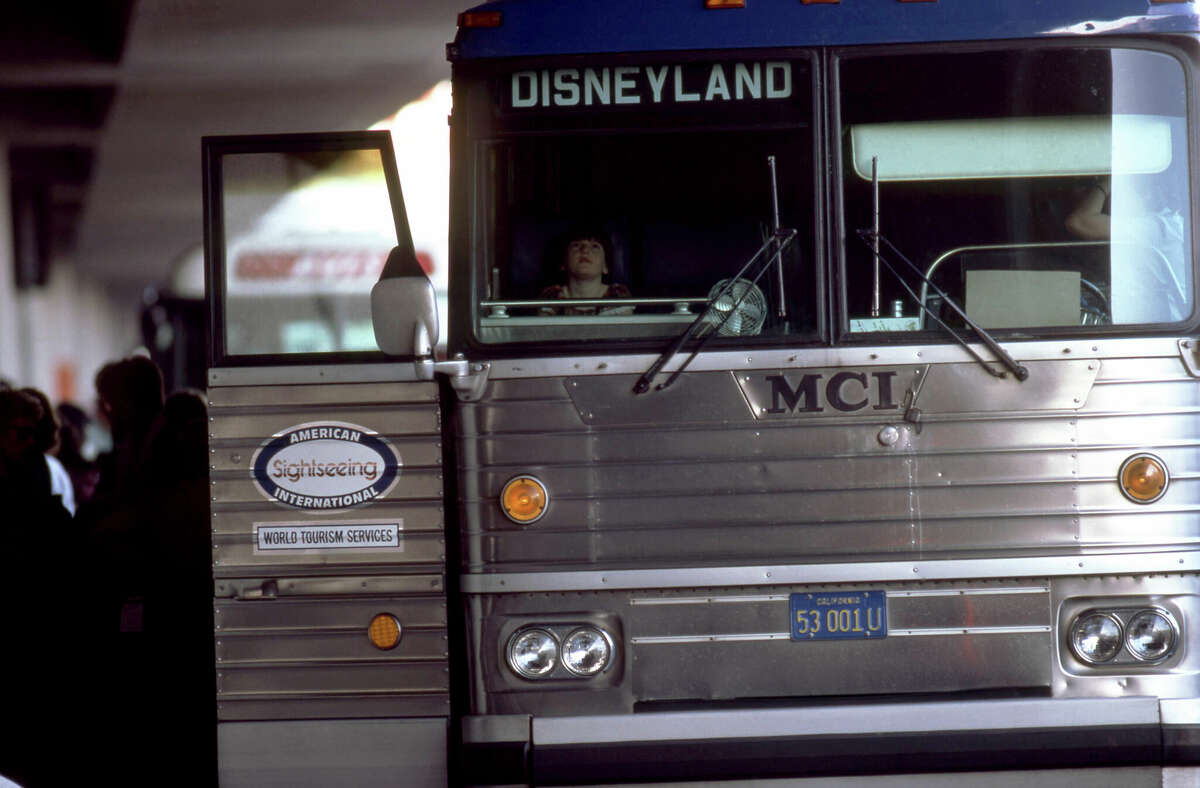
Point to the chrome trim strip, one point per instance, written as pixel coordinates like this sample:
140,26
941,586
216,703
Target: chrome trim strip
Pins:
967,631
316,373
705,600
760,598
799,358
658,640
846,720
969,591
812,574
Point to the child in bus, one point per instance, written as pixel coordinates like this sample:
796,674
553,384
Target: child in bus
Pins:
585,264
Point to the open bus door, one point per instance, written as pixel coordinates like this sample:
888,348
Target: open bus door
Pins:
327,513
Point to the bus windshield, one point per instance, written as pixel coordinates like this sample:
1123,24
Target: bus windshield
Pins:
621,223
1037,188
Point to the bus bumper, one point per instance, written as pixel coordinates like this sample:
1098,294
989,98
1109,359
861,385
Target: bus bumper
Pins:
833,740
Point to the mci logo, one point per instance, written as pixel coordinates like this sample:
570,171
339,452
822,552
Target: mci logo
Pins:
817,392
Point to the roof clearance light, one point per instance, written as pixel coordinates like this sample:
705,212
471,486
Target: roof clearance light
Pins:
1143,478
524,499
479,19
384,632
724,3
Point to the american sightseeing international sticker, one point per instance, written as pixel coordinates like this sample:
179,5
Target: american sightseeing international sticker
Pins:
325,466
349,535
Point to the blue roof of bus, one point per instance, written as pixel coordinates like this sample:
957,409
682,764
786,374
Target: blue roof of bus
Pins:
556,27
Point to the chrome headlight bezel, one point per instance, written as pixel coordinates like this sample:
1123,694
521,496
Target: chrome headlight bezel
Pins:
561,630
1118,640
1172,628
515,640
609,651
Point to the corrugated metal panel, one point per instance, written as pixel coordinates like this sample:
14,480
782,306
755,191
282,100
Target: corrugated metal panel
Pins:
710,484
291,625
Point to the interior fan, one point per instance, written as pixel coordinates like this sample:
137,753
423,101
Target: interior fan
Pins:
747,304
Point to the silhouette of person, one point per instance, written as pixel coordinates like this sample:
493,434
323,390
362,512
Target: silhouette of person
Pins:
46,441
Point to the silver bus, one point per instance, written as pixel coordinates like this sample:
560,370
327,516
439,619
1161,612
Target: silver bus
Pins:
819,401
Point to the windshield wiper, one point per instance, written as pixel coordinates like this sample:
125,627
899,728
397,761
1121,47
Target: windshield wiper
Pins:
777,243
1020,372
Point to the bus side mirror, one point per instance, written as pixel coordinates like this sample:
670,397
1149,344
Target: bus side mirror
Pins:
404,311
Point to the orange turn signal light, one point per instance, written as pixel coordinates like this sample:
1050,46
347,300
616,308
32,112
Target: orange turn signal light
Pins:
524,499
724,3
384,632
1144,478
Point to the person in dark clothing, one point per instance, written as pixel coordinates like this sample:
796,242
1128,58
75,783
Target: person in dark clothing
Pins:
114,527
72,438
130,394
35,531
149,530
179,592
46,441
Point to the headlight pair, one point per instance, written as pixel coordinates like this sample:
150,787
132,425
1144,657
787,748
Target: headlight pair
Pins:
535,652
1147,635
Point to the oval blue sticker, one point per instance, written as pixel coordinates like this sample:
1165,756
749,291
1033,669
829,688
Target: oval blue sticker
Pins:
324,465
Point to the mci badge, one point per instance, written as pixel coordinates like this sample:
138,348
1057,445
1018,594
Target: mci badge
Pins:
871,391
323,466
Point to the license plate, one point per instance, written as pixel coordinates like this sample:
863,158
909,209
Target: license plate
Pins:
839,615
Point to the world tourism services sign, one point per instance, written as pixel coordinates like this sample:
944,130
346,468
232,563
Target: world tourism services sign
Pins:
325,466
358,534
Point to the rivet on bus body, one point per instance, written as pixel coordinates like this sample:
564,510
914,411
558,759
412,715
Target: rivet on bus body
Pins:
889,436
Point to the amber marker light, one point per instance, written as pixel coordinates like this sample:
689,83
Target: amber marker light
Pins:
724,3
479,19
384,632
524,499
1143,478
